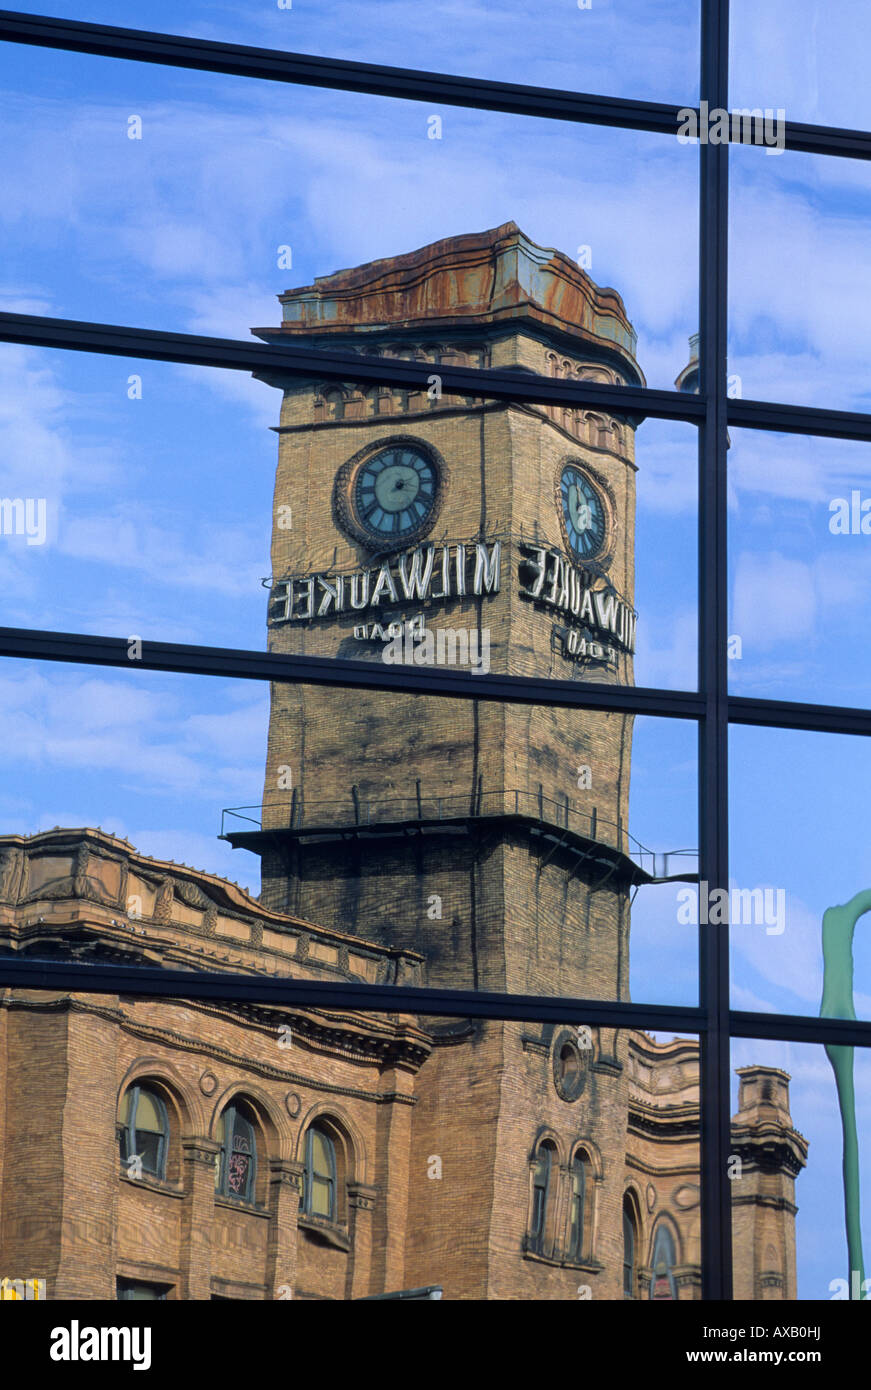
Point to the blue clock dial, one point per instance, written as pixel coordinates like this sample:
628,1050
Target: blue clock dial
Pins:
583,514
395,492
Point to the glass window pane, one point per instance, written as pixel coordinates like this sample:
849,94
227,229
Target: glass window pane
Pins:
237,1173
148,1116
135,1289
801,872
817,1235
402,1196
142,231
800,565
664,1259
148,1148
630,1273
322,1204
807,56
153,501
322,1161
799,261
630,50
494,847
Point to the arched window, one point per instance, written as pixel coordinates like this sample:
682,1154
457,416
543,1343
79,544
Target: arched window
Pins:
541,1181
629,1248
143,1133
319,1176
663,1284
236,1164
577,1233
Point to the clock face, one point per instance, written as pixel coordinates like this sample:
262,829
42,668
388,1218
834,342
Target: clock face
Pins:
395,492
583,513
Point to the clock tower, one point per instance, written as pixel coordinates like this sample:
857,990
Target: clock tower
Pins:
421,527
410,525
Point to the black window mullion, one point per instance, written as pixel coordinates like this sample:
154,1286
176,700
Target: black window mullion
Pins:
715,1072
313,70
376,79
277,359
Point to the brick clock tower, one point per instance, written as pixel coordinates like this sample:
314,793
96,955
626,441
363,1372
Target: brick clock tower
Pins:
491,839
485,533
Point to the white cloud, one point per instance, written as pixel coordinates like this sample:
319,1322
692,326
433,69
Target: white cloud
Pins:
146,737
774,600
792,961
667,651
808,56
220,559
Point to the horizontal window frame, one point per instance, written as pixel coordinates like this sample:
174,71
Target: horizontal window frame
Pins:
154,982
231,663
405,84
519,387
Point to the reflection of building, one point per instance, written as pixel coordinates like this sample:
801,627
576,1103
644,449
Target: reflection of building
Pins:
403,839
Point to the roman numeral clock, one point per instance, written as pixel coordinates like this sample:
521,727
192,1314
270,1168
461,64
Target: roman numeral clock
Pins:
390,495
583,514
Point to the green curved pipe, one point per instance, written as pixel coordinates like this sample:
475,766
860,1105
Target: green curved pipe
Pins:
839,925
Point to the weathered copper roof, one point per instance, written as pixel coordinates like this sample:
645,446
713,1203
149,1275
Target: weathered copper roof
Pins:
477,279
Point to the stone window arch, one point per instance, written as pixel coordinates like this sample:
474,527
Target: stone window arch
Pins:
598,431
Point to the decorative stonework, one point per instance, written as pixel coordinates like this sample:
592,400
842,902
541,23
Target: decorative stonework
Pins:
13,865
163,906
687,1196
361,1196
190,894
570,1066
286,1172
208,1083
200,1150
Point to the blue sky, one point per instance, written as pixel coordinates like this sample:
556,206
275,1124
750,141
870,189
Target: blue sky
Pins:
158,508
